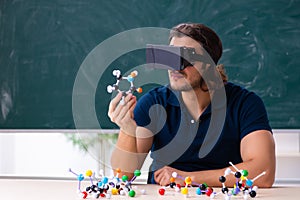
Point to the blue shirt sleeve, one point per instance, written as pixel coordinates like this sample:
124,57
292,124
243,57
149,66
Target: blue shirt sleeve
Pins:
253,115
141,111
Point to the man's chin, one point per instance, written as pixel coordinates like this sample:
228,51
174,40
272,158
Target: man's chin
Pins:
180,87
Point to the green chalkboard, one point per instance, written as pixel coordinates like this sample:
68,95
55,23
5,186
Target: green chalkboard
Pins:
44,44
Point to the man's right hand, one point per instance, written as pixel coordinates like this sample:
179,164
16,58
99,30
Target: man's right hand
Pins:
122,113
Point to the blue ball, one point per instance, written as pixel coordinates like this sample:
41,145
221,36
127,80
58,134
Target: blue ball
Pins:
80,177
105,180
249,182
130,79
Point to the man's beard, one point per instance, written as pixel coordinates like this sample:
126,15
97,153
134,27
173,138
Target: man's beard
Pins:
187,86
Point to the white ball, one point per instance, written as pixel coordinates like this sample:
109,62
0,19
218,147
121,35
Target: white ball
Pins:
110,89
116,72
227,171
143,192
174,174
255,188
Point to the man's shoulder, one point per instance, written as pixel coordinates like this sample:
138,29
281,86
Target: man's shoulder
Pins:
238,95
234,90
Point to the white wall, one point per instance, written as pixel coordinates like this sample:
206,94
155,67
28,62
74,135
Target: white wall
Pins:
52,154
287,156
41,154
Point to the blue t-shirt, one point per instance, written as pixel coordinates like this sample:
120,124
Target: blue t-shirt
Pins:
178,137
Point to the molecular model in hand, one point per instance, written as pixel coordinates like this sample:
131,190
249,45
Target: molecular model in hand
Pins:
130,78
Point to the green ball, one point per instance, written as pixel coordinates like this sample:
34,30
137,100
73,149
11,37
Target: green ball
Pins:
124,178
245,173
131,193
137,172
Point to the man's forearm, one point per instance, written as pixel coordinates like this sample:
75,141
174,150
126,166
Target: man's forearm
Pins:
125,154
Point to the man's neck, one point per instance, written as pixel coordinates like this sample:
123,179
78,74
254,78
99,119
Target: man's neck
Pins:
196,101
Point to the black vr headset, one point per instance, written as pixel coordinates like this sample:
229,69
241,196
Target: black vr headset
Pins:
172,57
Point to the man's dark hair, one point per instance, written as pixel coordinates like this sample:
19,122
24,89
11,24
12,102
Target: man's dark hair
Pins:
208,39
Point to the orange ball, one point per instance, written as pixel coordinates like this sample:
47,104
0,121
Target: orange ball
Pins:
139,90
118,170
133,74
188,180
172,179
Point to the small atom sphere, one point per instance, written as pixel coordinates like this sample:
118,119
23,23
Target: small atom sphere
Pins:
184,191
174,174
245,173
252,194
131,193
84,195
89,173
198,191
143,191
124,178
222,179
137,172
188,180
161,191
114,191
80,177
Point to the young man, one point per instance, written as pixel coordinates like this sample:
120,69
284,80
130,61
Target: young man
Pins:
174,122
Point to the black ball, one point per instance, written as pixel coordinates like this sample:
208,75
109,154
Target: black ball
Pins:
225,190
202,187
172,185
238,174
222,179
252,194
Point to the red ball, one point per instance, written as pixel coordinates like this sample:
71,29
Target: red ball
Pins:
162,191
102,195
209,191
178,185
84,194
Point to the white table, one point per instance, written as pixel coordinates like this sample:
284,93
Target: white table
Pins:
34,189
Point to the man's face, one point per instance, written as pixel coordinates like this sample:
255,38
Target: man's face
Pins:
189,78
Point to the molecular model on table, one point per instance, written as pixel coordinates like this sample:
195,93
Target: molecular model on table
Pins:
104,186
130,78
184,190
243,185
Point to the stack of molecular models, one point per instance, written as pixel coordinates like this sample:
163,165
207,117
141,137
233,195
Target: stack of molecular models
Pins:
107,187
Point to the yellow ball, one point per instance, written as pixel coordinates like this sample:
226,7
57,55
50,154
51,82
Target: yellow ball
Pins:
184,191
114,191
89,173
